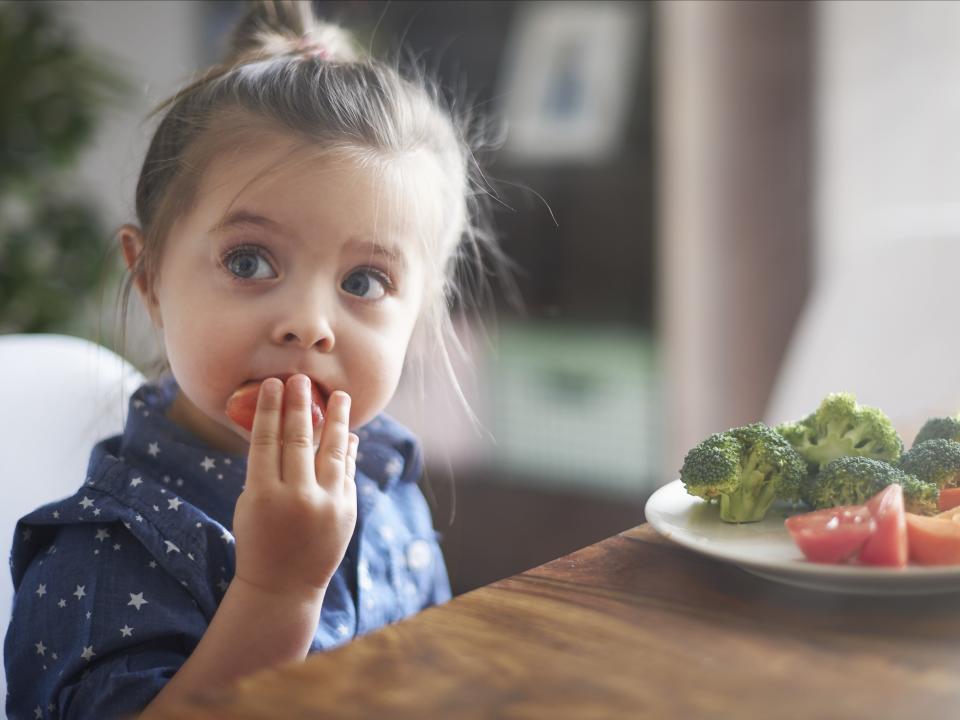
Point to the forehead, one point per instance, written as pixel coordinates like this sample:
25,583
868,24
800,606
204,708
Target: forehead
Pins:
349,194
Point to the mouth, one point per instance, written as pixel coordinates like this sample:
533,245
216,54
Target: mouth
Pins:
242,404
320,393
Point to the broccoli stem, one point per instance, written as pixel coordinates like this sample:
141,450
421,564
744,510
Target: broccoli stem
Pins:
751,501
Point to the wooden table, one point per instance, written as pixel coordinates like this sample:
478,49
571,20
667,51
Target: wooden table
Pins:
632,627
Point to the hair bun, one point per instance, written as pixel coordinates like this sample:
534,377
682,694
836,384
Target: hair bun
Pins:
274,28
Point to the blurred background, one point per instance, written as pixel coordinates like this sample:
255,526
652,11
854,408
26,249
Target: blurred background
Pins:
718,211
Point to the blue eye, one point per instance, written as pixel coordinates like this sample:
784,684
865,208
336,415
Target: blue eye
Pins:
367,284
248,263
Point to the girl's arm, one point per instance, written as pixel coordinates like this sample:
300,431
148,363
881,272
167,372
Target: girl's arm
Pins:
292,525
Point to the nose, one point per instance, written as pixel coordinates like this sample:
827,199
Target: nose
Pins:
306,324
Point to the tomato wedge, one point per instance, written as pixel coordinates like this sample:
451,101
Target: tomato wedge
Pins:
949,498
242,404
887,546
933,540
832,535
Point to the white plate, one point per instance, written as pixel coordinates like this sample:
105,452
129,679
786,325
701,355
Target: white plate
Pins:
765,548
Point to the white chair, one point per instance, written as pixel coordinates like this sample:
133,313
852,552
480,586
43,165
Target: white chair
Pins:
880,324
58,396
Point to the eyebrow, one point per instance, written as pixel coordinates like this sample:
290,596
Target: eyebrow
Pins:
392,255
244,217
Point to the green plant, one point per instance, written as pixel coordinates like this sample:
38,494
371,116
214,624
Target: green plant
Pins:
52,240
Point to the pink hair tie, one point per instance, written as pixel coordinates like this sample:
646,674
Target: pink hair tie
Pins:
309,47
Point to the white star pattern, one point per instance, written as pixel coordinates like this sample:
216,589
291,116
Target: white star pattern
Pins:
227,537
126,631
136,599
41,590
139,517
56,514
153,449
393,467
38,712
27,534
87,653
86,502
174,504
102,534
80,591
41,648
343,629
208,464
116,546
136,481
62,603
96,512
171,547
153,563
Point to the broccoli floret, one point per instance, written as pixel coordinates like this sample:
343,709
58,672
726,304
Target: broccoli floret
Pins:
839,428
746,469
934,461
853,479
947,428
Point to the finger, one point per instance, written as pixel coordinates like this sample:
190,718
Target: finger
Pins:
263,464
350,474
331,459
297,454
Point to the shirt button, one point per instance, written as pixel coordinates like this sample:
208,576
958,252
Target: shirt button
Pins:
419,554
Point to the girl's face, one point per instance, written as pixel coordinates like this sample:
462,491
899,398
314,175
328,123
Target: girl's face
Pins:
285,266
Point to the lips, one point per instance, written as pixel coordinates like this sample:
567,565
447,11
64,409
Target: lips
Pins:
242,404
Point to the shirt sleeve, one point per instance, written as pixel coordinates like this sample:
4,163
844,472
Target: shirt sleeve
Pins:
98,626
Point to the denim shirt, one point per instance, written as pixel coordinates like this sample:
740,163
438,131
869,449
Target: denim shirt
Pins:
116,584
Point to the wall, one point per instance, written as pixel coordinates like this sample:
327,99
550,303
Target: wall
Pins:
888,150
734,148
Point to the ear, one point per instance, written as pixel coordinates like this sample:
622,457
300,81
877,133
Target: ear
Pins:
131,240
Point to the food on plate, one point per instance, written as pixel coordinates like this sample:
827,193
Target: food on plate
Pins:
933,540
949,499
833,535
872,503
936,462
744,469
947,428
887,546
874,533
242,404
840,427
852,480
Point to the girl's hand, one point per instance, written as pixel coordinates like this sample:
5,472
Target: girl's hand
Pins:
296,515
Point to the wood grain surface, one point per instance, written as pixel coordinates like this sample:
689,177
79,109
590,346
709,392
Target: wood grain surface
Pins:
632,627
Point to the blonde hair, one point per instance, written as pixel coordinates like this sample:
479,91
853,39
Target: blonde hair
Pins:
309,78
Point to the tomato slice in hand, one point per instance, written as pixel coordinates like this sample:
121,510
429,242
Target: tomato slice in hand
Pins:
242,404
831,535
887,546
933,540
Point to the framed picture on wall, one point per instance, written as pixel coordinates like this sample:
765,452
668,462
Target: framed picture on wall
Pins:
568,78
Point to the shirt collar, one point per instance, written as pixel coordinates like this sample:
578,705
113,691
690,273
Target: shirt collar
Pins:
179,460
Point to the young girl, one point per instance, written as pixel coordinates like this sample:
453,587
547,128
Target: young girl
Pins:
301,210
